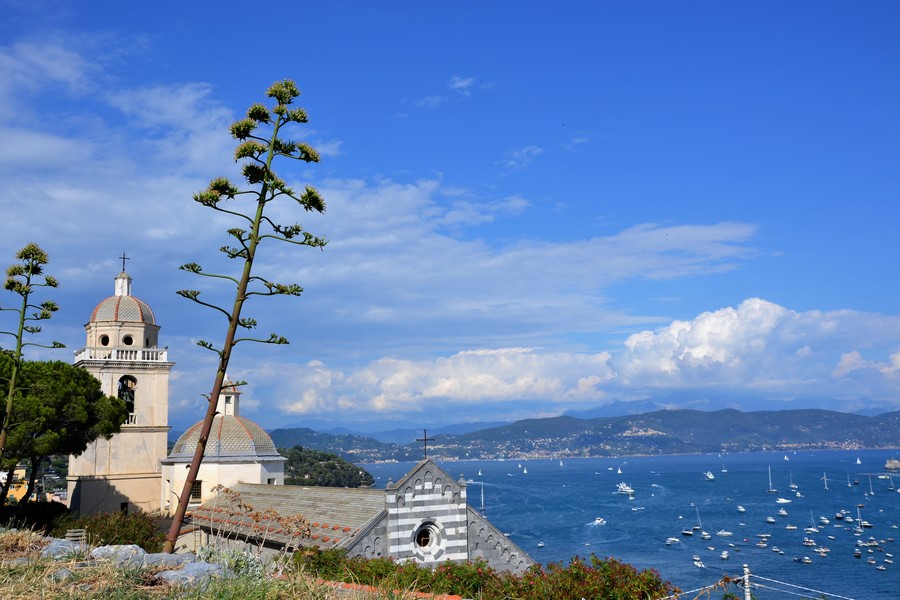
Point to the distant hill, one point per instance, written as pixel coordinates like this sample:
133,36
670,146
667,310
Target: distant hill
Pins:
658,432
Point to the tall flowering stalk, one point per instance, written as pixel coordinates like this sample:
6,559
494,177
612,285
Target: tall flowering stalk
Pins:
258,151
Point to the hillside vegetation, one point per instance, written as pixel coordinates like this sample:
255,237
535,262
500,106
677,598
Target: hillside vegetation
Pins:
658,432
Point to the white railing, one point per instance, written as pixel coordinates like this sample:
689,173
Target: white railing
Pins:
125,354
132,419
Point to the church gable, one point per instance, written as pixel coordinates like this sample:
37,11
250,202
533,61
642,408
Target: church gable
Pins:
426,516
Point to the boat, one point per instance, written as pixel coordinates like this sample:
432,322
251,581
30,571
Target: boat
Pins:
724,533
881,568
771,490
724,470
479,472
672,540
724,555
709,476
625,489
687,531
540,544
824,521
599,521
741,509
859,462
783,501
619,470
857,553
790,527
560,462
792,485
525,471
825,479
848,480
770,519
782,512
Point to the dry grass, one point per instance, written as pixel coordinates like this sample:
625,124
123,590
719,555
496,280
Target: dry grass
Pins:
20,580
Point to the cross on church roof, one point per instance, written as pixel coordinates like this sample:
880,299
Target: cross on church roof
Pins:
425,439
124,258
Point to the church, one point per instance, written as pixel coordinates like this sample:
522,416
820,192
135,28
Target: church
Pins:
424,517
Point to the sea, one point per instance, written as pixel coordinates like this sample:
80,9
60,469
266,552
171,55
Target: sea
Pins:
560,508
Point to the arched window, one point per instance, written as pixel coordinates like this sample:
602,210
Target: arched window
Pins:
127,386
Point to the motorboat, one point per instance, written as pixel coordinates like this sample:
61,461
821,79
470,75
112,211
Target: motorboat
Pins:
599,521
625,489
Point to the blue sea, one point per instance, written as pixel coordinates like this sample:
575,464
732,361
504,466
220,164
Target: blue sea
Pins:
556,504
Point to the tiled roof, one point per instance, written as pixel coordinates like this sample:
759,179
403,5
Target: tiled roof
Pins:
230,436
123,308
335,515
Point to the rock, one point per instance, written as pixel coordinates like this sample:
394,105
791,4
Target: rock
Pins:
168,560
61,549
121,554
194,573
61,575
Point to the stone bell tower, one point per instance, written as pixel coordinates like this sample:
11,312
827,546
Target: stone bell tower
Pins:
122,351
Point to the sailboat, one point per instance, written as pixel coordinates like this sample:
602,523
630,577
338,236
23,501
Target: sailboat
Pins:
871,491
825,477
859,462
619,471
891,485
525,471
479,472
771,490
848,480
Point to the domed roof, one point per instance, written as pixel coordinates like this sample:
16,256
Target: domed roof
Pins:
230,437
123,308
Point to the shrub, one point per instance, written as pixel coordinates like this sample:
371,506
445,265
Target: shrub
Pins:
38,516
116,528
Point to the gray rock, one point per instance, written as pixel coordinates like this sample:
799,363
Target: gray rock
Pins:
121,554
61,549
194,573
18,561
61,575
168,560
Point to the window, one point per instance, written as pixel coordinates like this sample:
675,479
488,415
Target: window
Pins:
104,340
271,481
128,340
127,385
197,491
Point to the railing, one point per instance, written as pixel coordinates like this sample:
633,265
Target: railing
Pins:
123,354
132,419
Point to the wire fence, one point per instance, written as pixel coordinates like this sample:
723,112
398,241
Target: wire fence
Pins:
750,583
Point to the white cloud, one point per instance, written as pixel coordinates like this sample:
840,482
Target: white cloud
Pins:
520,158
461,85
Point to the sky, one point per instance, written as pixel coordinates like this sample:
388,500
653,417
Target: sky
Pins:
532,208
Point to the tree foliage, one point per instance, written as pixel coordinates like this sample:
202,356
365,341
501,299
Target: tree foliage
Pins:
60,409
23,279
311,467
260,142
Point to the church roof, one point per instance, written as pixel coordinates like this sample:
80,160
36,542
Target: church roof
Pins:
123,308
230,437
335,515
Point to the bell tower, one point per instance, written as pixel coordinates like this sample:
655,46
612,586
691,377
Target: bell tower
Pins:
122,351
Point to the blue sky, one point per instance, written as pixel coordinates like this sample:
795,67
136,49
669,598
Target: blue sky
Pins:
531,208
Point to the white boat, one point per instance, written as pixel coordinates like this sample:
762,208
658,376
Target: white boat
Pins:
525,471
790,527
624,489
724,555
724,533
770,519
709,476
859,462
672,540
825,479
560,462
771,490
599,521
741,509
782,512
619,470
783,500
540,544
479,472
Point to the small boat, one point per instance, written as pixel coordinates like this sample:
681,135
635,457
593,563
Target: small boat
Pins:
599,521
699,564
709,476
881,568
857,553
625,489
672,540
724,533
782,512
619,470
525,471
790,527
724,555
687,532
741,509
859,462
824,521
825,479
479,472
770,519
771,490
540,544
783,500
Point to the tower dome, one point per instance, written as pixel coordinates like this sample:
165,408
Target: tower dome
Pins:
230,437
123,306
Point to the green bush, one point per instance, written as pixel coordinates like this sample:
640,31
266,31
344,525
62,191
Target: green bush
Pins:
37,516
598,579
116,528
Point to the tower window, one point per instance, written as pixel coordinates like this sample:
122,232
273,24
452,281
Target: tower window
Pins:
104,340
127,385
128,340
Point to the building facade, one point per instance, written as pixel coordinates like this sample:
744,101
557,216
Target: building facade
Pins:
122,351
